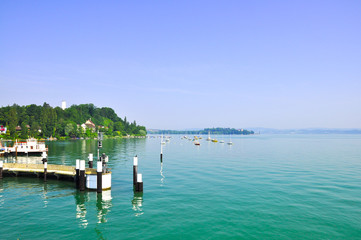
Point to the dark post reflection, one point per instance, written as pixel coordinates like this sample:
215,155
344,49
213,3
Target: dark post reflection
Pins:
137,204
45,197
104,204
80,199
90,201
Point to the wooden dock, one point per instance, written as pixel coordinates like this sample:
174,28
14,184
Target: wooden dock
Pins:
55,171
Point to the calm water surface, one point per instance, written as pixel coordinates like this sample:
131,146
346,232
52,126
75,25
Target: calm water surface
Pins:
262,187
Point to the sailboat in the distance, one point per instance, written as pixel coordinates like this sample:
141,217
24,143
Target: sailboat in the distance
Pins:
230,142
209,137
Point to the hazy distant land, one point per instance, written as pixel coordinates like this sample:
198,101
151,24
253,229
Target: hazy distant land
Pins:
259,130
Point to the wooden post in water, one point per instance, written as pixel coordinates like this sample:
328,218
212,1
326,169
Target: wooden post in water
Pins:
45,162
90,160
77,165
45,169
161,152
99,176
139,185
82,175
1,169
135,170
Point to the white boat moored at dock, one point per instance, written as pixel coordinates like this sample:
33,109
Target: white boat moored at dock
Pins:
31,147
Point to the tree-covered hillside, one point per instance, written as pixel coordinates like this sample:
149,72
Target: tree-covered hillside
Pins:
46,121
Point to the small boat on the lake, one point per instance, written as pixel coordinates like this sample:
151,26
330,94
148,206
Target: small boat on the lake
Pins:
214,140
209,137
230,142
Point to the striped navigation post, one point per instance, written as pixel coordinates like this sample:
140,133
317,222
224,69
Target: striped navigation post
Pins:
82,175
99,176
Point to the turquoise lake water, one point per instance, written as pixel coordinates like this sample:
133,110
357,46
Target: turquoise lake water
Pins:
262,187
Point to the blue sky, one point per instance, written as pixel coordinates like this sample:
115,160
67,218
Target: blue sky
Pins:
188,64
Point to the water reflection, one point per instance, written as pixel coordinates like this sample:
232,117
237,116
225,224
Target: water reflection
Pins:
89,201
80,199
2,200
104,203
137,203
161,174
45,197
24,159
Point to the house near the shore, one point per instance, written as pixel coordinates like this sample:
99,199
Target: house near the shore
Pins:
18,128
89,125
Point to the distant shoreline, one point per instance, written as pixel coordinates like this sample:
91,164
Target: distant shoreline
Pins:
257,131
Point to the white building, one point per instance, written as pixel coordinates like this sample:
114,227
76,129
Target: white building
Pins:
63,105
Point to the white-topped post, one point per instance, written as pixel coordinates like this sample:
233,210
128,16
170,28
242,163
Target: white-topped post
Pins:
99,176
90,157
82,175
161,150
77,165
45,170
135,170
139,186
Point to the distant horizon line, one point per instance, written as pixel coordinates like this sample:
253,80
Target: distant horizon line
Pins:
265,128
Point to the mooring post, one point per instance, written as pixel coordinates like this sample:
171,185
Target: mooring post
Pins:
44,156
82,175
90,160
161,152
45,169
1,169
139,185
99,176
135,170
77,165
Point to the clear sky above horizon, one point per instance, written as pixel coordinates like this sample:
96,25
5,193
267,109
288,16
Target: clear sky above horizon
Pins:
188,64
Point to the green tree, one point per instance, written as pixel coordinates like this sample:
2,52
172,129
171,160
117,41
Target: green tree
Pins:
24,131
13,121
68,129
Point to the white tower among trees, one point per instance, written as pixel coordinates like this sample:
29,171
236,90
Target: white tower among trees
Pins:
63,105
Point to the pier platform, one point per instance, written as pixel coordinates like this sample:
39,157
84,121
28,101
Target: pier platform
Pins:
56,171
